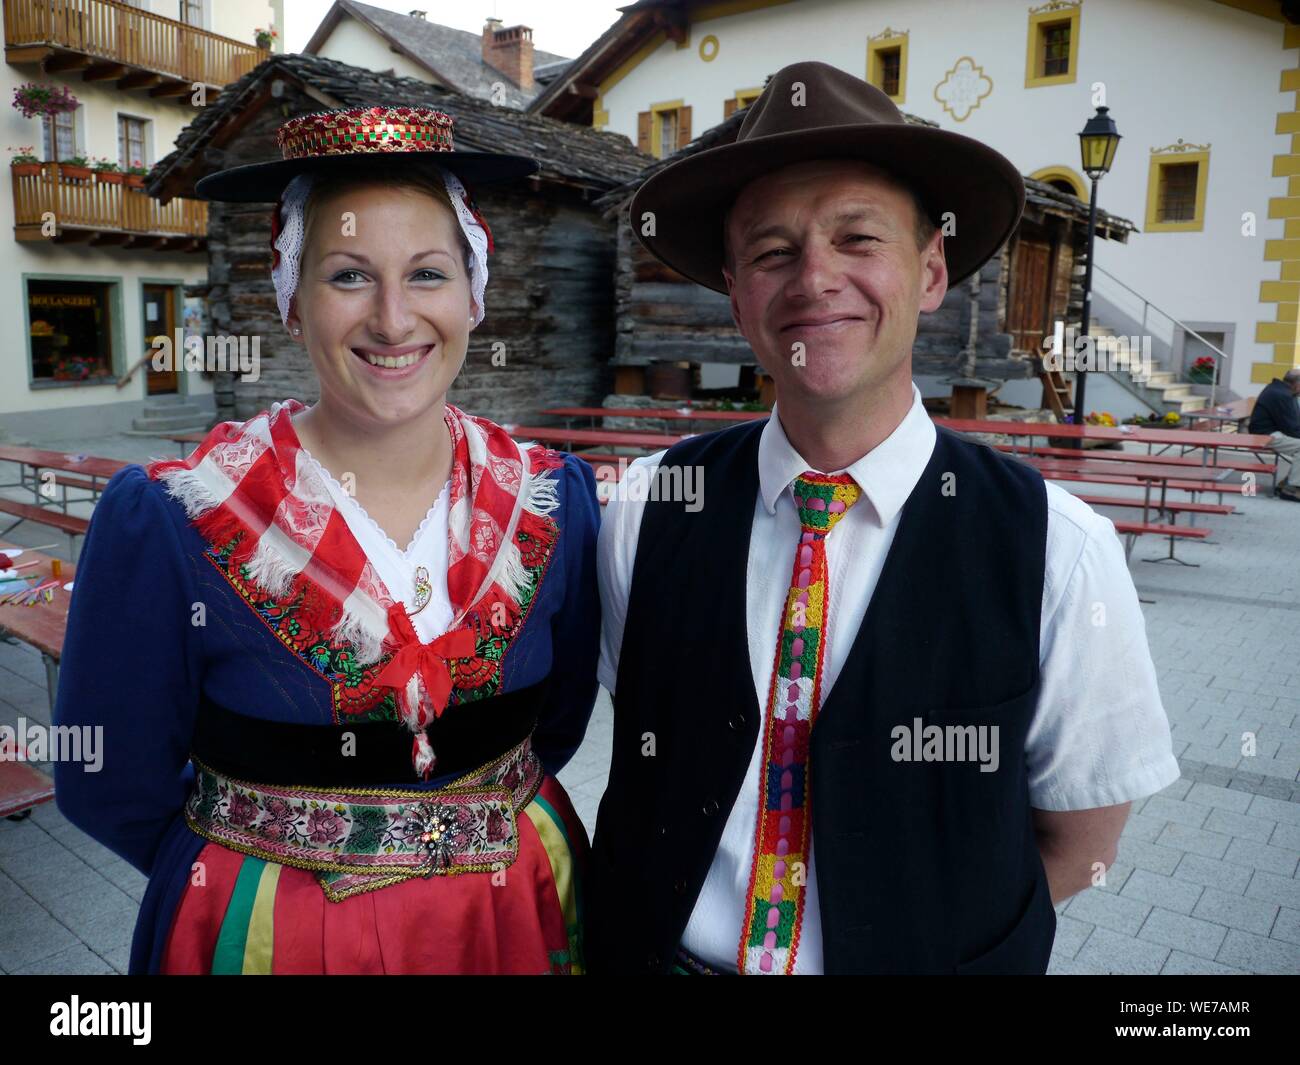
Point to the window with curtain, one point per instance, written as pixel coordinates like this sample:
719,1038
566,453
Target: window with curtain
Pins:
131,146
192,12
59,136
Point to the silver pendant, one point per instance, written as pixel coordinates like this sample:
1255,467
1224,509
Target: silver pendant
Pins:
423,590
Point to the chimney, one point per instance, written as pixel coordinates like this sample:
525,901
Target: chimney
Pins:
510,51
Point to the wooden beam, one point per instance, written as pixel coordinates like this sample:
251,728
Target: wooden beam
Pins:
105,71
29,233
674,25
141,79
171,88
108,237
587,92
66,61
28,53
74,236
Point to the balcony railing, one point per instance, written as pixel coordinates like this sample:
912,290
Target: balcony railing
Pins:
52,205
80,33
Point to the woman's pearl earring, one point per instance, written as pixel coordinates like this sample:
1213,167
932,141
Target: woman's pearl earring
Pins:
296,331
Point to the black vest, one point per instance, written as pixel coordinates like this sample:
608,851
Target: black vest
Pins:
922,866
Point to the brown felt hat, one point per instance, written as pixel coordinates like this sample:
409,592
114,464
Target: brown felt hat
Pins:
833,115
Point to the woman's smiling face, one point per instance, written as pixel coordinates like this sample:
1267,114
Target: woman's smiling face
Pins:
383,300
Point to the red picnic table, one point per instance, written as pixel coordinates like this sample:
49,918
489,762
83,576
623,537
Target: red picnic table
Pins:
1101,471
1185,439
686,414
83,472
593,437
41,626
35,459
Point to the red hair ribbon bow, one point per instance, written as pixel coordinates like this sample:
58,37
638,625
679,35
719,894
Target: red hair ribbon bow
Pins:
428,659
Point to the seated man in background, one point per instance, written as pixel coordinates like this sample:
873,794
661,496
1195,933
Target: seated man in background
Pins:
1276,415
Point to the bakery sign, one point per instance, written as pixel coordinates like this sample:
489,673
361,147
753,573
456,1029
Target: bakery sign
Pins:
56,299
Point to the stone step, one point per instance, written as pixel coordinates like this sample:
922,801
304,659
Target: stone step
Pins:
151,425
153,409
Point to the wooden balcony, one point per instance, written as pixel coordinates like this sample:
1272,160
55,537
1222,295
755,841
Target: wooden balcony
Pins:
50,206
110,41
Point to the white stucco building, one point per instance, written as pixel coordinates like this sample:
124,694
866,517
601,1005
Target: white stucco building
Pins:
95,268
1204,93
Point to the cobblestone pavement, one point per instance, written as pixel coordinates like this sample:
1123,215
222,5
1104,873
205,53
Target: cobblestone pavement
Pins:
1205,881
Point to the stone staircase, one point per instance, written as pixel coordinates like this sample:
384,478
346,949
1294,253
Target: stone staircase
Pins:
1161,390
170,414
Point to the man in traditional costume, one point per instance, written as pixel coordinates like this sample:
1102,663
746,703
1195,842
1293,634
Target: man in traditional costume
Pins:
886,697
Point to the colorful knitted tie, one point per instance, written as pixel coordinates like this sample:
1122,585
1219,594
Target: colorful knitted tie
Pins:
777,883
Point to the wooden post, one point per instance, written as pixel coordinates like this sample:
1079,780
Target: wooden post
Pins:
968,401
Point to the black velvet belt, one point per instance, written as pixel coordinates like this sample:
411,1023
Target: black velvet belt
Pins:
365,753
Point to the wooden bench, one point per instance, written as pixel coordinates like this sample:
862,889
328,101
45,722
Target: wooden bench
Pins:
1178,507
593,437
55,519
1131,530
1239,465
685,414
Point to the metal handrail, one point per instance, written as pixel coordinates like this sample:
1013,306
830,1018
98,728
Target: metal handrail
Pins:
1218,352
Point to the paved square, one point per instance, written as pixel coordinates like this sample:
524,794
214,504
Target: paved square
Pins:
1206,876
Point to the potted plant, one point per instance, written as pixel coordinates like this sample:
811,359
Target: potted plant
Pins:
24,163
265,37
135,174
108,172
76,167
1202,370
35,100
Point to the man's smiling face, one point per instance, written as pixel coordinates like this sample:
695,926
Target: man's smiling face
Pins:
824,254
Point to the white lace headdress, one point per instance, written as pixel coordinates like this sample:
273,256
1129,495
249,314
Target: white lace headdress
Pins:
292,231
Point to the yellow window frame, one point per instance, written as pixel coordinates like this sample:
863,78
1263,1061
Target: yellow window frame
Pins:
1051,14
1159,160
874,63
656,149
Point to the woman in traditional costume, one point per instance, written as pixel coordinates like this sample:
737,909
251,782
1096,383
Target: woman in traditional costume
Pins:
330,754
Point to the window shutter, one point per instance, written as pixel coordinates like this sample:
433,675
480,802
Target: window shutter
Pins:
643,131
683,127
729,107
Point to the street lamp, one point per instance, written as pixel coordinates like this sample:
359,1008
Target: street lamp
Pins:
1097,143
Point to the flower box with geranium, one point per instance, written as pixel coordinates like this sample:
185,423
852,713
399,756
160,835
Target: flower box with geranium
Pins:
108,172
1202,370
76,167
24,163
135,174
265,38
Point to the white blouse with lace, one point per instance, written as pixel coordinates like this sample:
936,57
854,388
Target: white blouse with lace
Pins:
396,567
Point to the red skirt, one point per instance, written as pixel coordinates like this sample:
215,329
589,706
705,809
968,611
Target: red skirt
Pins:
241,914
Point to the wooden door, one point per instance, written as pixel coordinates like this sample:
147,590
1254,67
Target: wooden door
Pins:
1028,301
160,320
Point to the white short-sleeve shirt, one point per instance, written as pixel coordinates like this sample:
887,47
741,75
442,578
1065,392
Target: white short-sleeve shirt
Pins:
1099,736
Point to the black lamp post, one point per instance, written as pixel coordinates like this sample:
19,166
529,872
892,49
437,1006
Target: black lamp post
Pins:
1097,143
